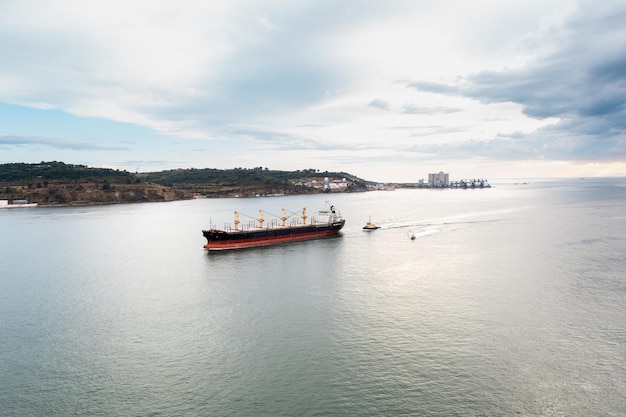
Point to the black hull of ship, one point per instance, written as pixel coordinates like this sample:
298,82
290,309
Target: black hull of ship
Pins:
223,240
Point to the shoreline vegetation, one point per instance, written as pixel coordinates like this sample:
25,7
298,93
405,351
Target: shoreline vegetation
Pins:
60,184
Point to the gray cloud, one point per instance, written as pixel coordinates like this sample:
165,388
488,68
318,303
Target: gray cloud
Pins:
379,104
410,109
276,140
554,146
56,143
433,87
581,81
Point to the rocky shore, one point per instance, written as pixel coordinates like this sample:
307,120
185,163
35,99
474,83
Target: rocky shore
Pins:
89,193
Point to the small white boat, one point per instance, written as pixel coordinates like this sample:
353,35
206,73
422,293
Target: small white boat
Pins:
16,204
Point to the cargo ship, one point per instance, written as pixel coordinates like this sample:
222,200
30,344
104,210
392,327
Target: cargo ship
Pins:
327,222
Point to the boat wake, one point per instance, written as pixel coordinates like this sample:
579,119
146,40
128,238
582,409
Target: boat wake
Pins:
465,218
422,233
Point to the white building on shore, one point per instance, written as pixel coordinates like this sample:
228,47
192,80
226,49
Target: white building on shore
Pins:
440,180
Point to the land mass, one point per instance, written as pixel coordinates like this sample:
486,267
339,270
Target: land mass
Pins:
57,183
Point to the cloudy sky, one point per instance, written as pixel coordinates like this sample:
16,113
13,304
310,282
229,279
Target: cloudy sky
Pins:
386,90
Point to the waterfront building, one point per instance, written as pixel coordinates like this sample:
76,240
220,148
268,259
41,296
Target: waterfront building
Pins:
440,180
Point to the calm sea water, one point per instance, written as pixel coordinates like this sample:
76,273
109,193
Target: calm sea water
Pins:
511,301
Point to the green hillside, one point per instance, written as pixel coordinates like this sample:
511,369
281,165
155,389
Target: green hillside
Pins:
58,183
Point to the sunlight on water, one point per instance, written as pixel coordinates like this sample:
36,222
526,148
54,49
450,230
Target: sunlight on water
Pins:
510,301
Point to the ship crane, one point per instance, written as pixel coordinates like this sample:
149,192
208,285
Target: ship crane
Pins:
328,223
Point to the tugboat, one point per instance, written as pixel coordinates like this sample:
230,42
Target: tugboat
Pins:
369,226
